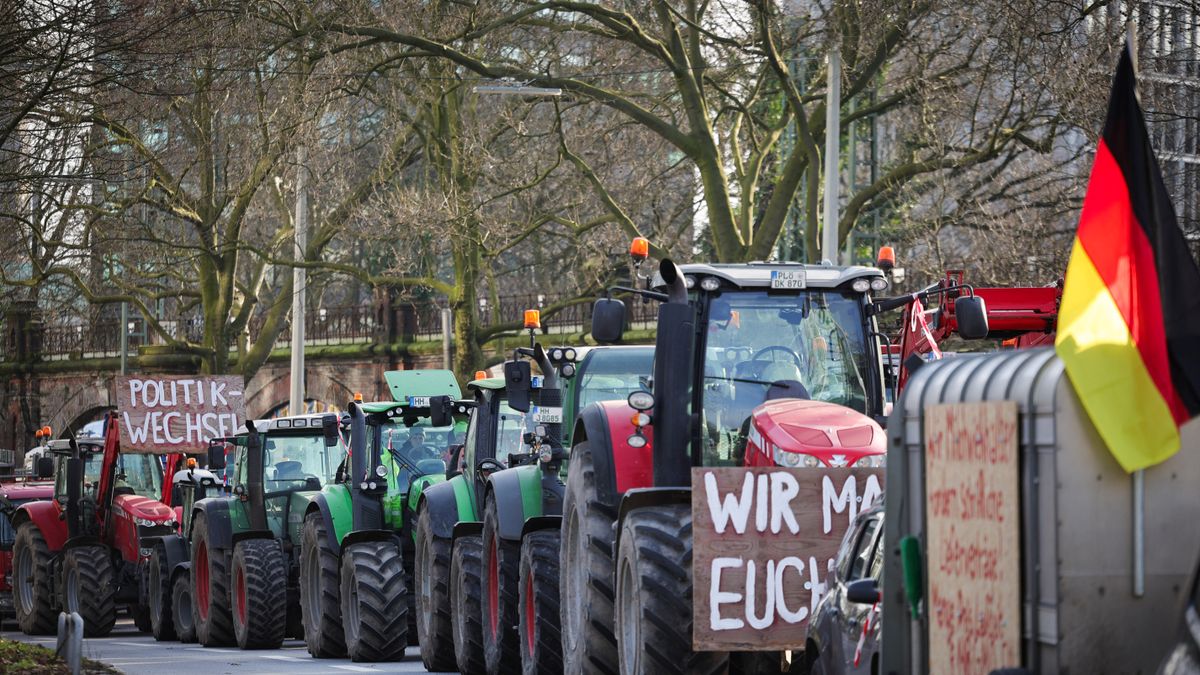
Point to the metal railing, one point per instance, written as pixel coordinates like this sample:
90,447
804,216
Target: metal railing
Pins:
365,323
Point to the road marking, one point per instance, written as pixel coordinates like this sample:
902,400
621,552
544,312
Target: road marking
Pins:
357,669
131,644
286,658
120,662
218,650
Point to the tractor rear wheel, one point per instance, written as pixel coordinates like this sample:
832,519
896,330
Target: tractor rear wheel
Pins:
89,588
540,638
374,601
319,591
182,611
259,589
465,598
210,589
141,617
162,625
32,599
586,563
654,594
431,578
500,578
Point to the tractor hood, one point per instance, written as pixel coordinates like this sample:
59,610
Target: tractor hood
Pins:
140,508
786,432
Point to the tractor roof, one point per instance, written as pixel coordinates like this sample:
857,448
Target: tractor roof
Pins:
405,383
311,421
758,274
492,383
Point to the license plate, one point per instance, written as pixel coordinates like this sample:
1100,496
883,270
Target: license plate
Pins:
535,382
418,401
788,279
548,415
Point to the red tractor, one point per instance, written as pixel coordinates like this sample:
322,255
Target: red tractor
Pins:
81,551
13,494
756,363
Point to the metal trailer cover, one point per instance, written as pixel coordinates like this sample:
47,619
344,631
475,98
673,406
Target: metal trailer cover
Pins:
1079,611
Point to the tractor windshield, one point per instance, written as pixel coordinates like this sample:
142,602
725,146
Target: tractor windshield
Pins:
510,433
761,345
292,459
612,375
417,449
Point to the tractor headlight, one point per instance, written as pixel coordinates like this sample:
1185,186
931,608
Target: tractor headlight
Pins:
710,283
879,284
785,458
381,471
811,461
144,522
568,370
869,461
861,285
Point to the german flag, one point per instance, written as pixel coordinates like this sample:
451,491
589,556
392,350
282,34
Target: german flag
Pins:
1129,325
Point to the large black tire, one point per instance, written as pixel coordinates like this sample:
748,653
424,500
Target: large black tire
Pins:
465,597
654,595
89,588
586,564
158,582
258,581
431,575
500,579
210,589
319,591
374,602
32,599
540,637
141,617
183,614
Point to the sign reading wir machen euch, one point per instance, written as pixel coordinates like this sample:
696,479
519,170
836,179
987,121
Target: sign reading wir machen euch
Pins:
764,540
178,413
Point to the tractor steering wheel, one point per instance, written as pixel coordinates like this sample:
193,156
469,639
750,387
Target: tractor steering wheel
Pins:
778,348
488,465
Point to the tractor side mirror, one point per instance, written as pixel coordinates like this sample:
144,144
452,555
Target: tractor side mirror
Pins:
216,457
863,591
608,320
44,468
517,384
329,426
439,411
971,313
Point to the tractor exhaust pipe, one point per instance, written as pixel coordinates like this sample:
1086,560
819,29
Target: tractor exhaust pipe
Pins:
672,381
256,472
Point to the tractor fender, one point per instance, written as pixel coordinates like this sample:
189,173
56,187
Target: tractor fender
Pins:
370,535
607,425
320,505
44,514
182,568
250,534
177,550
220,526
509,493
653,496
541,523
466,528
81,541
448,503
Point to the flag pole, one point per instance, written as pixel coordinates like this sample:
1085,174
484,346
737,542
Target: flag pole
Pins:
1139,476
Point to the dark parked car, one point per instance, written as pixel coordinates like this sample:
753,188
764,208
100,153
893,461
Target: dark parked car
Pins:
843,633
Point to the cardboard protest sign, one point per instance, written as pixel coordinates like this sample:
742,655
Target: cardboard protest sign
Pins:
972,532
165,414
764,539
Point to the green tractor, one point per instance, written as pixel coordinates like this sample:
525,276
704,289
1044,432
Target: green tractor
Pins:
230,577
355,532
487,540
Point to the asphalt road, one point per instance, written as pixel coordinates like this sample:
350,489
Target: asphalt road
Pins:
137,653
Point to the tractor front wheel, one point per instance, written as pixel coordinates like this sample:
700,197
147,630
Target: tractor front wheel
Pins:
540,638
162,625
654,595
210,589
465,598
182,612
374,601
32,599
586,562
89,588
431,577
502,565
259,584
319,601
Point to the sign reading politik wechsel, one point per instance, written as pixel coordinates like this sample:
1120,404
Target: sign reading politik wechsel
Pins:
764,539
178,413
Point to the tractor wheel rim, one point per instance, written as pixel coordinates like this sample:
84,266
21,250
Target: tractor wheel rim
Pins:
24,578
183,611
241,595
312,574
530,614
72,591
493,590
628,617
202,580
